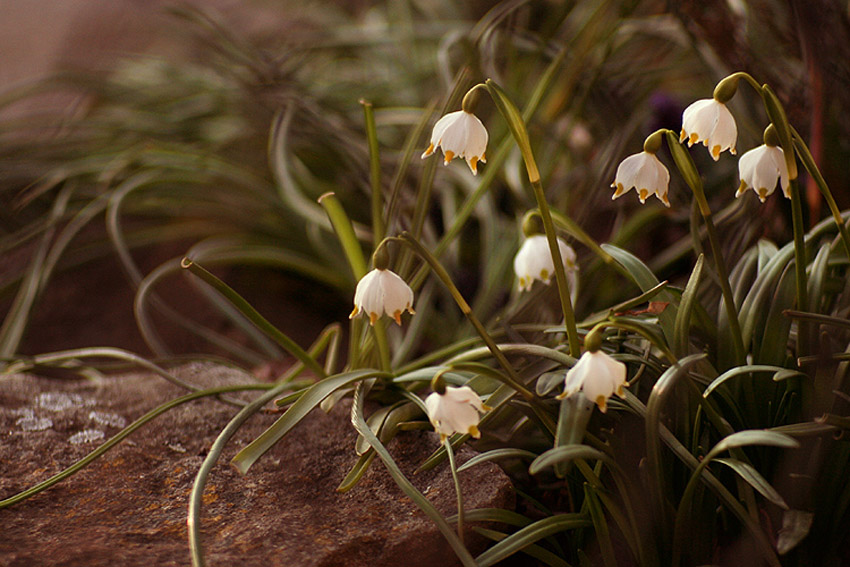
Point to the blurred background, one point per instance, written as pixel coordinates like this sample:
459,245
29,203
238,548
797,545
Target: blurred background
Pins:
135,132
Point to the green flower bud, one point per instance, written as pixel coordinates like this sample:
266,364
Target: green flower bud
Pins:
726,88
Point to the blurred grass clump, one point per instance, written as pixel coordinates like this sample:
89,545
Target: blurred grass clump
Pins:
298,153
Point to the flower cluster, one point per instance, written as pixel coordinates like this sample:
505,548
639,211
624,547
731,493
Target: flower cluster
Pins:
710,122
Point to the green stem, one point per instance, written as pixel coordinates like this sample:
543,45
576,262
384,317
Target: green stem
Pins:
345,233
451,454
197,494
689,172
803,344
512,377
812,168
490,172
378,226
517,127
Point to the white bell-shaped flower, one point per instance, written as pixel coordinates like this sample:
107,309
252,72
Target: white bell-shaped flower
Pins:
455,411
382,291
598,376
710,122
760,169
534,262
460,134
644,172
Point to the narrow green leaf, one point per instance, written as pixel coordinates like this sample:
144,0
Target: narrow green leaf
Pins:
536,551
600,526
402,481
357,471
497,454
749,369
548,381
753,437
646,280
565,454
773,346
682,327
754,479
296,412
531,534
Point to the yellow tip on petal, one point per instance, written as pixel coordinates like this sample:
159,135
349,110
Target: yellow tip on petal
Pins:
621,391
397,317
428,152
473,164
473,430
372,318
449,156
355,312
643,194
692,139
619,191
485,407
665,200
544,275
715,153
682,136
483,158
741,188
602,402
762,194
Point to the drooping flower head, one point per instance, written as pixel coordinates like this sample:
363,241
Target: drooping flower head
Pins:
644,172
460,134
710,122
382,291
534,262
598,375
761,167
456,410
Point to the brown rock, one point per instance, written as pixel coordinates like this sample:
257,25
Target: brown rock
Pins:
129,507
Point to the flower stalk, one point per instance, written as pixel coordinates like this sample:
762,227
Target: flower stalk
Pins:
520,134
686,167
511,377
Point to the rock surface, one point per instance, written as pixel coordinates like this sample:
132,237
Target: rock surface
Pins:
129,506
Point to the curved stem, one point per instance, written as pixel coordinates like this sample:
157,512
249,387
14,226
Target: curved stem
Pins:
689,172
803,327
812,168
512,377
451,454
517,127
197,494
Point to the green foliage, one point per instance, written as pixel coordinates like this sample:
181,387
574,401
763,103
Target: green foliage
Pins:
301,157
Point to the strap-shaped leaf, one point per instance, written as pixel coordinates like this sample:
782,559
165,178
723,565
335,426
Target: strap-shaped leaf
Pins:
296,412
754,478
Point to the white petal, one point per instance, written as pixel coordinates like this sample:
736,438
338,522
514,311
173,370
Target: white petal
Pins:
644,172
455,411
533,261
710,122
382,291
